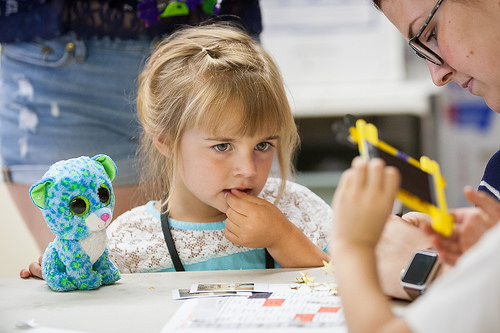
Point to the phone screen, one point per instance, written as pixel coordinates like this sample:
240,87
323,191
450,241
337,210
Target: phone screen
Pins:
413,180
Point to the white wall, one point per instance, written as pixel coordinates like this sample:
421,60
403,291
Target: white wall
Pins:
325,47
17,247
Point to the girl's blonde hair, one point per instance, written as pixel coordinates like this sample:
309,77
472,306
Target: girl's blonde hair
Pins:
191,80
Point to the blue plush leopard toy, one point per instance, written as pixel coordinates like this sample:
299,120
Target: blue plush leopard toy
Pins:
77,201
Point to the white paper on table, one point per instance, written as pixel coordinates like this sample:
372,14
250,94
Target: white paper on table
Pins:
286,310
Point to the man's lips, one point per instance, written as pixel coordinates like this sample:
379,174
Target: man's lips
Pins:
468,85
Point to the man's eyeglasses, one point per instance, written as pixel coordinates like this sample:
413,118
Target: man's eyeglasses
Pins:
420,48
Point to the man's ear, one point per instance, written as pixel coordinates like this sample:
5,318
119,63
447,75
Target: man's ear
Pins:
163,145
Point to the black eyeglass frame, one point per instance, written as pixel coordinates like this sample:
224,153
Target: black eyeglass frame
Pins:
419,47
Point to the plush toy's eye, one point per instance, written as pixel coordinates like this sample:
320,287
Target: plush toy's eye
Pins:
104,194
79,206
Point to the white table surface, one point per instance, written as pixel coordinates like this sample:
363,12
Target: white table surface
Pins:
136,303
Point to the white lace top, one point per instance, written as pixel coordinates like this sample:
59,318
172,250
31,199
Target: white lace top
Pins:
136,243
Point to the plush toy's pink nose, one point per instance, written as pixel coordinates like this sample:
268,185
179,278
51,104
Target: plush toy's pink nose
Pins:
105,217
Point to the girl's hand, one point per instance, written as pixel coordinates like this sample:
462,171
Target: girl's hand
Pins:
363,201
34,270
470,225
254,222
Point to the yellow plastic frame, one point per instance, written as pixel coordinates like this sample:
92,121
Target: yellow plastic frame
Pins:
442,222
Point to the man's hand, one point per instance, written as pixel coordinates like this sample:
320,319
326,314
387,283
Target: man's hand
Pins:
471,223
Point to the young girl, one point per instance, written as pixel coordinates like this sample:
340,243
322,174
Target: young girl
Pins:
215,116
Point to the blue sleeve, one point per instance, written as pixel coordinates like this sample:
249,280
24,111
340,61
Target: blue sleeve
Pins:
490,182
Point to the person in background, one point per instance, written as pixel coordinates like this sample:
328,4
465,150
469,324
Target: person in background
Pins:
67,83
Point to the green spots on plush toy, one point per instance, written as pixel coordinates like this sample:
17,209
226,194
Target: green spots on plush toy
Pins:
65,282
76,265
84,286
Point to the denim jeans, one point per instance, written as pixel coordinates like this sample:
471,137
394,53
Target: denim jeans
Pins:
66,98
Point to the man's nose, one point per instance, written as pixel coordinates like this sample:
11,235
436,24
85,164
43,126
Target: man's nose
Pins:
441,75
